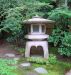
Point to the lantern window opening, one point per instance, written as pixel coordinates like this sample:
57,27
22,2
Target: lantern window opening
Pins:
43,29
38,28
29,29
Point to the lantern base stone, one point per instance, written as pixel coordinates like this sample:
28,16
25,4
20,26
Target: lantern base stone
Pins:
43,44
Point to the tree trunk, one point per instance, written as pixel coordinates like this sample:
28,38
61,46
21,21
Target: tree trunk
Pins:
61,3
66,3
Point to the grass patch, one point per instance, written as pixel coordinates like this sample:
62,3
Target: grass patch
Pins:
54,67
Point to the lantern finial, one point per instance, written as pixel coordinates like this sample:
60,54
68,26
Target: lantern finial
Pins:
36,16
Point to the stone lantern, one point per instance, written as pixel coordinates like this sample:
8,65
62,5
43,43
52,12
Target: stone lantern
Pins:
37,34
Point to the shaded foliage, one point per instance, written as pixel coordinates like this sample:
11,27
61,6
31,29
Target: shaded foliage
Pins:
61,35
13,12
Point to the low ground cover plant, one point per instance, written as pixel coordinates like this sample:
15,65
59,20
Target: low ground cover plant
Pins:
6,67
51,60
52,64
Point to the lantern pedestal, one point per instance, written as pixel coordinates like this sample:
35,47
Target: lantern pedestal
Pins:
43,44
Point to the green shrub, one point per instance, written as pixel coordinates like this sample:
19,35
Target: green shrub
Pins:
65,48
38,60
52,59
21,50
61,36
6,68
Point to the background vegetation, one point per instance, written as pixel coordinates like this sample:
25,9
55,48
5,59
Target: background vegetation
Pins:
13,12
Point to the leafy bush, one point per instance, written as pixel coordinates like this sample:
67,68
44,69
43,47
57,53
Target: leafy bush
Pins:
47,1
61,36
6,68
56,36
39,60
65,48
21,51
52,59
13,12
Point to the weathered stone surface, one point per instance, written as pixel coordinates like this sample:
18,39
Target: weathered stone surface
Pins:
41,70
31,73
68,73
25,64
36,44
10,55
16,58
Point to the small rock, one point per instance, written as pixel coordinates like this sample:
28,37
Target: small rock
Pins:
25,64
68,73
31,73
16,58
10,55
41,70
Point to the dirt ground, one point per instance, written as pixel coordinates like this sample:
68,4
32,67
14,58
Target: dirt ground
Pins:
7,48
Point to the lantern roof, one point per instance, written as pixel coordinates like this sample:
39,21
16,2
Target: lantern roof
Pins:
37,19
